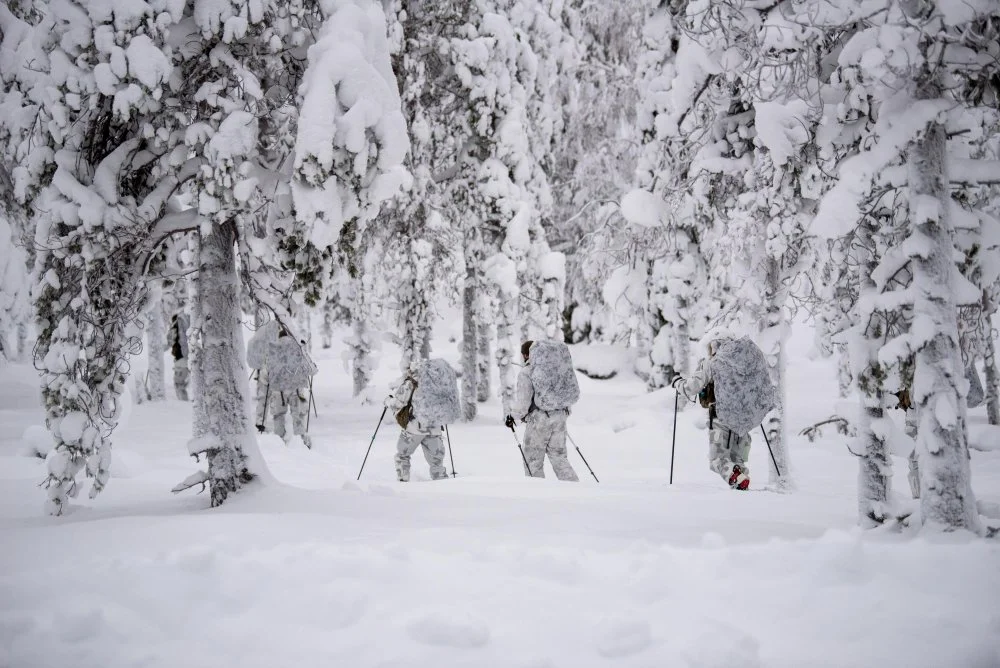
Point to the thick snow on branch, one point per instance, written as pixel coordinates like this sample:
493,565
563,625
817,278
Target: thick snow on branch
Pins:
838,210
352,135
643,208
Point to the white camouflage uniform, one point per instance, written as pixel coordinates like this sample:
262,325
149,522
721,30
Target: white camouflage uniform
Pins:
414,436
726,449
281,403
545,433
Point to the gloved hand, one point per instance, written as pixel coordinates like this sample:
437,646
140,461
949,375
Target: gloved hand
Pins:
509,422
678,379
260,429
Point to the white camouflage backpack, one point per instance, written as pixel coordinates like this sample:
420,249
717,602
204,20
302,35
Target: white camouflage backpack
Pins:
435,401
258,344
743,390
288,366
553,376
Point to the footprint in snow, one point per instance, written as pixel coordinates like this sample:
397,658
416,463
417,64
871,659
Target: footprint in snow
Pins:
453,629
623,637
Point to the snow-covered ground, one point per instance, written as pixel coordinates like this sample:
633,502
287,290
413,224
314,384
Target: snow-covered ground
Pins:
490,568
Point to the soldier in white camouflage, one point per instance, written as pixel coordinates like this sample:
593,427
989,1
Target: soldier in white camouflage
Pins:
414,434
285,378
728,452
546,430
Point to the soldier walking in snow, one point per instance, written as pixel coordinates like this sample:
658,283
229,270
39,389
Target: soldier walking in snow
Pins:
423,404
289,371
284,372
733,384
546,388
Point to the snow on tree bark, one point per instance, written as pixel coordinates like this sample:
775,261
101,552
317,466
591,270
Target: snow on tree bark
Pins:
484,357
470,345
156,344
874,463
990,362
774,328
196,328
946,498
230,442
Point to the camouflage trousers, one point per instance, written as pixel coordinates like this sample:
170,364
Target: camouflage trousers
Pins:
433,452
280,404
546,435
295,404
726,450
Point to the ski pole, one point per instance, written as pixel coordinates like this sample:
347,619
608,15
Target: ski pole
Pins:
312,402
673,439
308,414
581,456
267,395
777,470
384,409
450,456
526,467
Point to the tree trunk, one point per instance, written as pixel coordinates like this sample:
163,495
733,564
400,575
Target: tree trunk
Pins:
156,342
361,355
23,349
508,347
326,332
470,340
180,318
946,498
662,334
774,320
990,363
226,392
874,465
553,290
484,366
196,379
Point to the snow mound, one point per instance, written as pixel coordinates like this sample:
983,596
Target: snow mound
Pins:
599,361
623,637
450,628
722,647
643,208
37,442
984,437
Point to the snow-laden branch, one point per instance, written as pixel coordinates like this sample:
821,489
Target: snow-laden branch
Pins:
838,210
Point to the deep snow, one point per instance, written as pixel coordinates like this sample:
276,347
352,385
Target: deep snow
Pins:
490,568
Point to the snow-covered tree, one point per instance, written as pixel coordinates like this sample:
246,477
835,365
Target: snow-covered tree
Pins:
899,55
349,150
88,82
